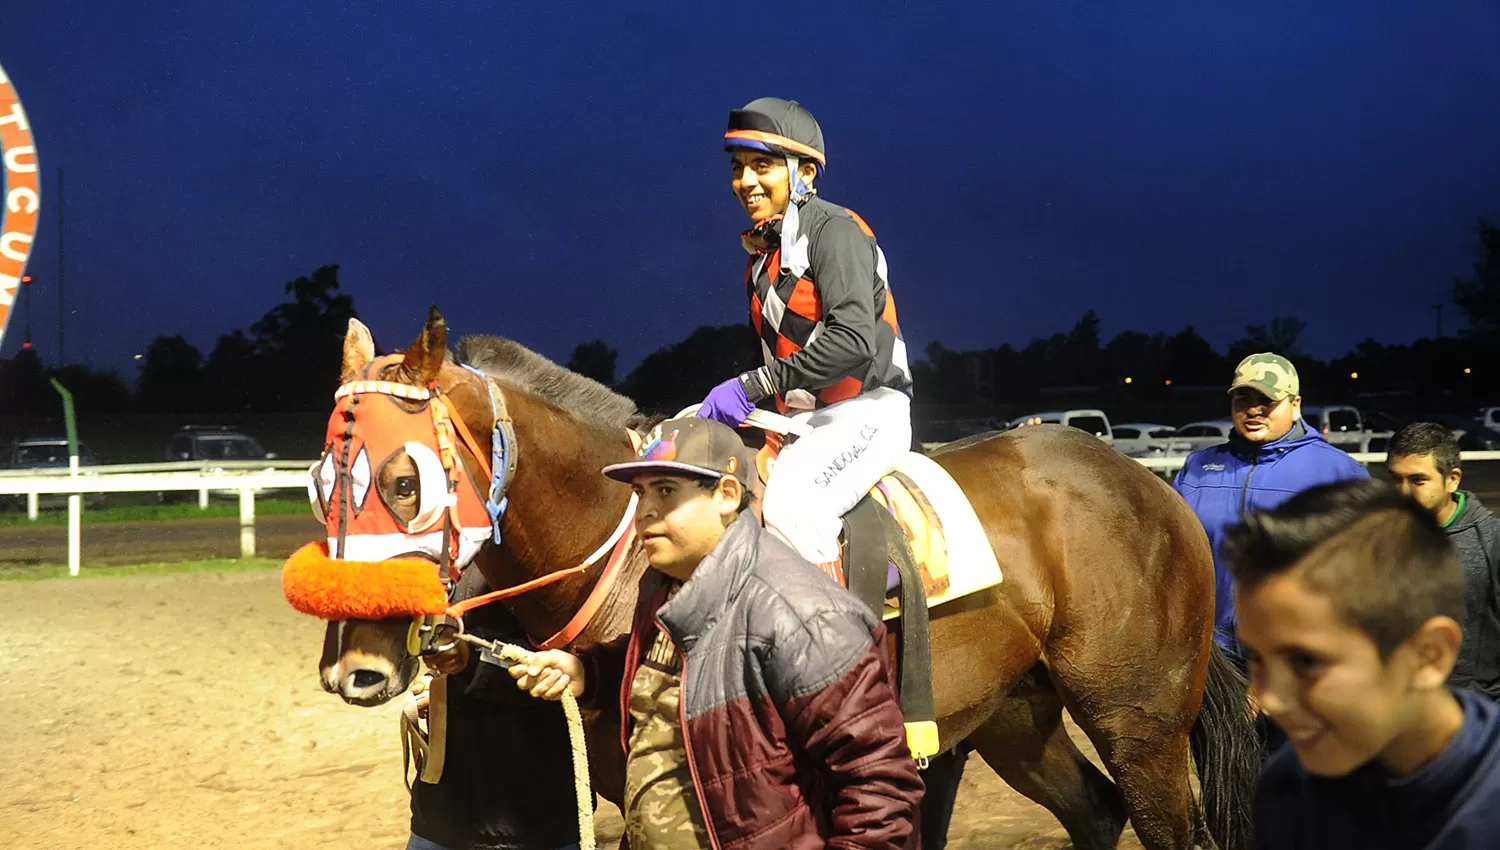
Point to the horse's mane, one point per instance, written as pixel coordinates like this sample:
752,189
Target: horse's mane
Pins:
510,362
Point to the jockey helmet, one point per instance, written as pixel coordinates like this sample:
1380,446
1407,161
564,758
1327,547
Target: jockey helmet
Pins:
778,126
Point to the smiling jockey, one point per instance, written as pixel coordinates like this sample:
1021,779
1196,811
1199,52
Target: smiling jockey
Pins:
822,306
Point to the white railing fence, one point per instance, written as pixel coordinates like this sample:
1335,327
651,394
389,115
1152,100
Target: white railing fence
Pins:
1172,463
247,478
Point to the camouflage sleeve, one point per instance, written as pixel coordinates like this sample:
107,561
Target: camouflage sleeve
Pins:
843,270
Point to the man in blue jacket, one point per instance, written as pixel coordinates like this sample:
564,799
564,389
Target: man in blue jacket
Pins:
1271,456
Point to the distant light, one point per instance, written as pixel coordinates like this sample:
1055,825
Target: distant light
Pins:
1128,380
138,356
26,278
26,344
1467,370
1354,375
1168,382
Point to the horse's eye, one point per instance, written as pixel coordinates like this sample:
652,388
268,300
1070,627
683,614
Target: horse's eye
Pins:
406,487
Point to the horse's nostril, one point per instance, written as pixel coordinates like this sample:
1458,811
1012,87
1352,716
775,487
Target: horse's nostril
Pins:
367,678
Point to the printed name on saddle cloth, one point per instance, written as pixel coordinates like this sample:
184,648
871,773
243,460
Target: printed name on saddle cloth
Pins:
847,456
22,198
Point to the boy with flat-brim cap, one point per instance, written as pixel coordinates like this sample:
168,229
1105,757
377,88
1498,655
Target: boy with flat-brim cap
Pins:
1350,598
756,704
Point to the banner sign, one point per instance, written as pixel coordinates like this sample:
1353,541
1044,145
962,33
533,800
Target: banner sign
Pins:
23,197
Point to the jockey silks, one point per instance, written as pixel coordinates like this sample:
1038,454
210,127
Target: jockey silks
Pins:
831,333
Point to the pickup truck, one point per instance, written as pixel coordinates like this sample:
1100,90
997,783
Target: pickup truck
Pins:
1490,416
1092,421
1344,427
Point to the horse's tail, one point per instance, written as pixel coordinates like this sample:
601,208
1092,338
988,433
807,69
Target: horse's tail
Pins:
1227,753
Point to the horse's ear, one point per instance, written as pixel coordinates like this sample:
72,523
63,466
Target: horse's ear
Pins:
425,357
359,350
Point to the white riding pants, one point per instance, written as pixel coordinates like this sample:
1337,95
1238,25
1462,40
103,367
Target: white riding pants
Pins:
819,477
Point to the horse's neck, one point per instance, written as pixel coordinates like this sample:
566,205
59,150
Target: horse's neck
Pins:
561,510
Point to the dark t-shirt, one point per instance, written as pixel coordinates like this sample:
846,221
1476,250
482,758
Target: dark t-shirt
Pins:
1452,803
507,779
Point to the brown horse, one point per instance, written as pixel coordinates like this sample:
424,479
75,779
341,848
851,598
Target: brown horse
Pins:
1105,609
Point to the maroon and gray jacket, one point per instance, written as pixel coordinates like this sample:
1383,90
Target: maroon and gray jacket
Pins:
793,732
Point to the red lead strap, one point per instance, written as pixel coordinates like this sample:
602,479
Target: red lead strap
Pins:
590,605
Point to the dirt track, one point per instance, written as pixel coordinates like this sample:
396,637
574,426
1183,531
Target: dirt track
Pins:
183,710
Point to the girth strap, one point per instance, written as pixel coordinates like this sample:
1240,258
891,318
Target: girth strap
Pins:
864,553
914,663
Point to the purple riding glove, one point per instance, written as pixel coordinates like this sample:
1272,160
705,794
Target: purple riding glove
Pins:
727,403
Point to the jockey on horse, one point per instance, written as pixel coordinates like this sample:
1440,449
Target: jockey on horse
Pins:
822,305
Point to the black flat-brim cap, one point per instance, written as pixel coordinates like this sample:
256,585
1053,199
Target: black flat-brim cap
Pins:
688,446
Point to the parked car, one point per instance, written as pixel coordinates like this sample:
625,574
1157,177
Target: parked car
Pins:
212,443
1348,428
48,453
1201,435
1340,425
1092,421
1146,439
215,442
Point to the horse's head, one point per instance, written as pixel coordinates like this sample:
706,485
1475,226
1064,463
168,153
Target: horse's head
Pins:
419,466
402,488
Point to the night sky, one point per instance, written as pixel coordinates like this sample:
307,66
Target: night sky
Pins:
552,171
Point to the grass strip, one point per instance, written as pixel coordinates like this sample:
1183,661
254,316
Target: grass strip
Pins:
150,512
36,572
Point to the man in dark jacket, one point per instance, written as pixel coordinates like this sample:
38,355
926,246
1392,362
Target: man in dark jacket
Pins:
1271,456
757,705
482,802
1423,460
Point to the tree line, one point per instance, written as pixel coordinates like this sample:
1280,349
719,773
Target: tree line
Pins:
283,361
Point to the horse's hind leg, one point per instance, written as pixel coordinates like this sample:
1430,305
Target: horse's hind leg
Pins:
1141,734
1026,743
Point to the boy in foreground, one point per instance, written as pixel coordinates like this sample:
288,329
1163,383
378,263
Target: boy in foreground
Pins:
1349,601
757,709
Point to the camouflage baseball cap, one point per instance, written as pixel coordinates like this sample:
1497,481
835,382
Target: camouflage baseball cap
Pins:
1269,373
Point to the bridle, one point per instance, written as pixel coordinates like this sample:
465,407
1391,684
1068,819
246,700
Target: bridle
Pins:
429,632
